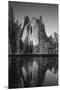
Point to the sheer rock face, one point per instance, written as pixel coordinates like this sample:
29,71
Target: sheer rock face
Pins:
31,32
35,31
34,36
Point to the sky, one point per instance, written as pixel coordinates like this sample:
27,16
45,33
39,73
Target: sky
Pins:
49,13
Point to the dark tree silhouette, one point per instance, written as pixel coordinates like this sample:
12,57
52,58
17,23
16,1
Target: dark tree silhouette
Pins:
13,30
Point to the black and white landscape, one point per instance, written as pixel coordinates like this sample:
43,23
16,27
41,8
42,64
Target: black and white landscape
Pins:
33,44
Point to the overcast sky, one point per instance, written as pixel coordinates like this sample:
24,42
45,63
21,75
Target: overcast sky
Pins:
49,14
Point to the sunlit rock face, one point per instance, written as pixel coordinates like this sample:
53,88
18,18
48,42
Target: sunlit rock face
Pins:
25,29
31,32
34,36
35,31
25,35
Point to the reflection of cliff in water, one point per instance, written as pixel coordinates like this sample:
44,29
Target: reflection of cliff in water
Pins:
46,72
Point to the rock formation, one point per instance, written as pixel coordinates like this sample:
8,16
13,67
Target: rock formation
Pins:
33,35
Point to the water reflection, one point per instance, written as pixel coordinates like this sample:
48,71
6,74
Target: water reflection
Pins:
45,71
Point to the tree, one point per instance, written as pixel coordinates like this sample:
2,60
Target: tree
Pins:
11,15
13,27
